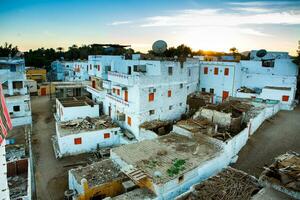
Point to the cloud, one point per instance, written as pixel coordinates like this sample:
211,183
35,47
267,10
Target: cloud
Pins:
116,23
250,31
261,3
217,17
251,9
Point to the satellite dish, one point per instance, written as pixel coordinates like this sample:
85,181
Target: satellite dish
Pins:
261,53
159,46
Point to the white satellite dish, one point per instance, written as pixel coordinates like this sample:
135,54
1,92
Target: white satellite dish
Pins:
159,46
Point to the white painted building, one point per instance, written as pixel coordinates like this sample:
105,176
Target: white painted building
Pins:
4,190
273,77
75,107
13,79
91,134
76,70
137,91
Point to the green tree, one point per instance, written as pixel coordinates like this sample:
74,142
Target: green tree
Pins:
8,50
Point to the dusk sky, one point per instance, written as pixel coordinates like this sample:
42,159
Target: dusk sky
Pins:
208,25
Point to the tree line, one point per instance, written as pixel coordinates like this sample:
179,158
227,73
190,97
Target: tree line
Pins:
42,57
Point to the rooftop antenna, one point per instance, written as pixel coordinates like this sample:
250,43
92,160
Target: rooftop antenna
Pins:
159,47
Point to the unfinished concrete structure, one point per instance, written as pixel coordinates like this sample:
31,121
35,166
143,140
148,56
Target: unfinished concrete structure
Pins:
13,78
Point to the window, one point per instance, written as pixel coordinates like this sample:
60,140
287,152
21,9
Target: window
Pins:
170,107
188,87
106,135
189,72
118,91
169,93
151,96
203,89
13,68
180,104
16,108
170,71
77,141
216,71
181,85
17,84
114,90
285,98
205,70
211,90
151,112
90,66
126,95
226,71
98,67
129,120
268,63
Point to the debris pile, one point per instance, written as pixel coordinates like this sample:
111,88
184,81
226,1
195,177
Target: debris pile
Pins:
284,173
246,90
89,123
15,152
199,99
204,126
158,126
229,184
17,186
98,173
233,106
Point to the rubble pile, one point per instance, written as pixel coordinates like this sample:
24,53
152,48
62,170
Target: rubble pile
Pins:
15,152
204,126
17,186
246,90
229,184
284,172
89,123
233,106
158,126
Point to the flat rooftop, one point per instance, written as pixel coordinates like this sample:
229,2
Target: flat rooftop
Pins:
76,101
137,194
85,125
98,173
162,154
229,184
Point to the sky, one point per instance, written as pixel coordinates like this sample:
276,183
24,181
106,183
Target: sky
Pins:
201,24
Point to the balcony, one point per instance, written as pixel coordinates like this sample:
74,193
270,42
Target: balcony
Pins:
121,78
117,99
106,84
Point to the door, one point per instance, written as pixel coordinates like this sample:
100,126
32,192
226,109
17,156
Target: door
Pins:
225,95
94,84
43,91
109,111
129,70
126,96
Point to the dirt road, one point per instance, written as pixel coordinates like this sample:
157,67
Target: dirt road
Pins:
274,137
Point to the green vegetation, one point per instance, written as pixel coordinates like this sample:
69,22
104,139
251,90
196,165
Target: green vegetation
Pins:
178,165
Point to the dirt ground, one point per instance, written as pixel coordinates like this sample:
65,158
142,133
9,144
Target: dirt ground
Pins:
51,174
274,137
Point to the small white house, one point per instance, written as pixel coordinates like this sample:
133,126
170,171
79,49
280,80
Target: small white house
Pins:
75,107
85,135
